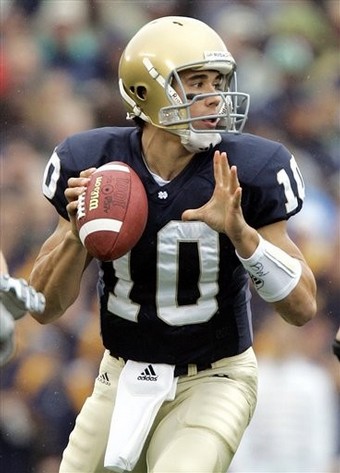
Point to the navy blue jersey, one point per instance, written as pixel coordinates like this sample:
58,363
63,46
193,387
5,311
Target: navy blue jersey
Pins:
181,295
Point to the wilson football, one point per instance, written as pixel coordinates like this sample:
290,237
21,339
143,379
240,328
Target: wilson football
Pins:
112,211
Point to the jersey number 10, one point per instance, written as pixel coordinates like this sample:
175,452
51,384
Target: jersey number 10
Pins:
283,179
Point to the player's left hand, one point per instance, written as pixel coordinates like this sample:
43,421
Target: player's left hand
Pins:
223,212
18,297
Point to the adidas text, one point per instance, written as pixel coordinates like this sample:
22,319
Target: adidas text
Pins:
147,378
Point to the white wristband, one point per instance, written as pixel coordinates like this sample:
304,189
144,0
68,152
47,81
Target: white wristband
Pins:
273,272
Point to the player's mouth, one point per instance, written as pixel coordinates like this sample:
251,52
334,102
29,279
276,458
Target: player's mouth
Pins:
210,123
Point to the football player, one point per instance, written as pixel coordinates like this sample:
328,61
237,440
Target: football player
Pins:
16,299
177,384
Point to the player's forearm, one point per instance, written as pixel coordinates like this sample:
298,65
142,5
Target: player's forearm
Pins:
299,306
57,274
279,278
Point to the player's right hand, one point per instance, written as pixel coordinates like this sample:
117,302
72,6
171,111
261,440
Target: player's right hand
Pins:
76,186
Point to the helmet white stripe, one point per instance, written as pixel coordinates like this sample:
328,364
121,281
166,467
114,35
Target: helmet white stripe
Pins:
160,79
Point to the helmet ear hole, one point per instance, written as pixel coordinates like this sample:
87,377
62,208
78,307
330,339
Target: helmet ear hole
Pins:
141,92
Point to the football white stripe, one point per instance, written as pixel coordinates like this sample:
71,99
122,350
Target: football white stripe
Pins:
99,225
114,167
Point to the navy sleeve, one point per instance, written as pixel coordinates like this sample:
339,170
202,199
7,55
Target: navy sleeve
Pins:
273,188
91,148
55,179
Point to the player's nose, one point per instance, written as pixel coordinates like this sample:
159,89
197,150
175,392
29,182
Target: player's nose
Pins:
213,99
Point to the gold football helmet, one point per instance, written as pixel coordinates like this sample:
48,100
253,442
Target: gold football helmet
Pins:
151,62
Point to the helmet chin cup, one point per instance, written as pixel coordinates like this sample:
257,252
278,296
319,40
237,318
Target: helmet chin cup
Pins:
197,142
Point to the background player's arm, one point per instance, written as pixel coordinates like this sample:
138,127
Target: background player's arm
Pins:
16,299
58,269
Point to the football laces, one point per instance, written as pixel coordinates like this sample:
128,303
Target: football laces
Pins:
81,206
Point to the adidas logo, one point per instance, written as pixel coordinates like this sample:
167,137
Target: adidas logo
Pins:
104,378
148,374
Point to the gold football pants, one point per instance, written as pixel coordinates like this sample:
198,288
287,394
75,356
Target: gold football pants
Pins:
198,432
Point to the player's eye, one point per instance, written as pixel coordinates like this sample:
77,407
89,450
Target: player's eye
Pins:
196,85
190,96
219,83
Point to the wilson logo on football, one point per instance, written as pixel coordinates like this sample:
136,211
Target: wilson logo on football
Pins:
94,196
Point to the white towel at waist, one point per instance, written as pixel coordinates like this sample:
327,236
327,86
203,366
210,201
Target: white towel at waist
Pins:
142,388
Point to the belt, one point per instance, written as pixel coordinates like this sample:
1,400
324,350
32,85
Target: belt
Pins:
191,369
180,370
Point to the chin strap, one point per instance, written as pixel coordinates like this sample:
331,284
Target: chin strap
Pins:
197,142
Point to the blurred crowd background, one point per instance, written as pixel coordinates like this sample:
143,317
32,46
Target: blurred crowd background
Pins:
59,76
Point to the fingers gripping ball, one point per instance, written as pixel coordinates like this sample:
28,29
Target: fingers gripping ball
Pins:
112,212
